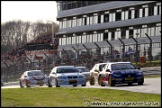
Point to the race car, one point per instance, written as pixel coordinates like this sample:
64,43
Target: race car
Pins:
33,77
66,75
119,73
95,71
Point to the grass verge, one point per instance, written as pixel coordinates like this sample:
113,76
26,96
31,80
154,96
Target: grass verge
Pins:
75,97
152,76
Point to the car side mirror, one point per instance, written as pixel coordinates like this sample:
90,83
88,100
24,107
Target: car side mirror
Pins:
138,68
107,70
53,72
96,71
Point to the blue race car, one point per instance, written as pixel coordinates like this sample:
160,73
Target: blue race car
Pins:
119,73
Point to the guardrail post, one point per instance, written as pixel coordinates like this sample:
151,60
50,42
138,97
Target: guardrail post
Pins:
150,53
76,53
111,50
123,50
99,54
136,53
88,53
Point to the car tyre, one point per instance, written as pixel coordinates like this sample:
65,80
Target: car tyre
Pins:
74,85
56,83
83,85
27,85
99,80
110,82
49,85
129,84
21,85
140,83
92,80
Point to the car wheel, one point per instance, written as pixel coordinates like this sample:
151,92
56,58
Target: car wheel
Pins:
99,80
49,85
74,85
27,85
129,84
56,83
140,83
84,84
110,82
92,80
21,85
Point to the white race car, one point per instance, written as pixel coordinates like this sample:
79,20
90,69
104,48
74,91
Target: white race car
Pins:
66,75
33,77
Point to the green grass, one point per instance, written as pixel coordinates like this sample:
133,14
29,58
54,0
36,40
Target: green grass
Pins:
71,97
152,76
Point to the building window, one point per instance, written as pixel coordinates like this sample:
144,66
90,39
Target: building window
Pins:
105,36
106,18
112,35
130,33
123,34
118,16
143,12
73,5
129,14
99,18
136,13
151,11
69,6
158,9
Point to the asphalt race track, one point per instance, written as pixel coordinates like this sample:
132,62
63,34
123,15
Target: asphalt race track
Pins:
151,85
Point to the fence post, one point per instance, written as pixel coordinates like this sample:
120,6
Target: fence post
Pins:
150,56
111,50
136,49
99,54
123,48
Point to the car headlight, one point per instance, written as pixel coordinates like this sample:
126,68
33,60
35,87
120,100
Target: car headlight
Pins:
117,75
139,73
61,77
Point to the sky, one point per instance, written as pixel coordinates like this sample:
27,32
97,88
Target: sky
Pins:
31,11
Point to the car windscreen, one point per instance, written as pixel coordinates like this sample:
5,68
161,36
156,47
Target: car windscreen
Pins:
122,66
35,73
101,66
84,69
67,70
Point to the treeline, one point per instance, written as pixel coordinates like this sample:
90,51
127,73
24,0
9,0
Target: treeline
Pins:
15,34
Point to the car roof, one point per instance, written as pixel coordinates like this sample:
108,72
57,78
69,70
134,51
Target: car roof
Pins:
116,62
63,66
100,63
33,70
81,67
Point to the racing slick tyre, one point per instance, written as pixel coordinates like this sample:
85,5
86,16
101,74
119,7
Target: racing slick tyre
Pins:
129,84
92,80
140,83
83,85
27,85
49,85
21,85
110,82
100,81
56,83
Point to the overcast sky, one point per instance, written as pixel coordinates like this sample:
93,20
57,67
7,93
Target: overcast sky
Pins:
32,11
